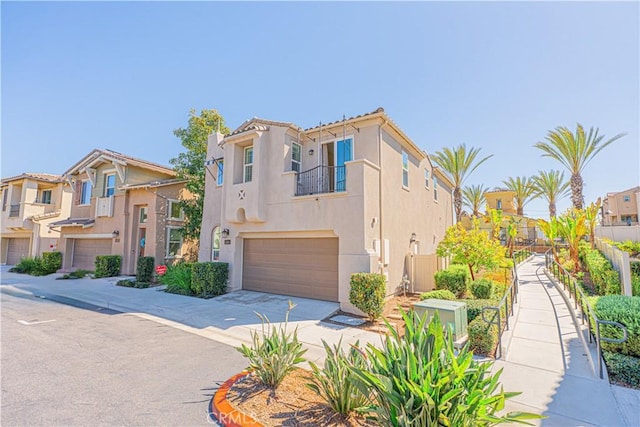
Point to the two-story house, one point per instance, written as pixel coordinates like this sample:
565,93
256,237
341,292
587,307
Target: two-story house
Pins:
121,206
621,208
296,211
30,202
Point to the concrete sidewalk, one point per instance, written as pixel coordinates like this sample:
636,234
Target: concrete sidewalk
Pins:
547,359
228,319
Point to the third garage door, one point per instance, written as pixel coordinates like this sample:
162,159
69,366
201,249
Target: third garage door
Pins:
298,267
85,251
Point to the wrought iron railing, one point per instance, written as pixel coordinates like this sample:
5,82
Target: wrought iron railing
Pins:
570,284
321,179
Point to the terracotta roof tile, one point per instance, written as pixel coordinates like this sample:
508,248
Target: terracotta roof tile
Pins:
46,177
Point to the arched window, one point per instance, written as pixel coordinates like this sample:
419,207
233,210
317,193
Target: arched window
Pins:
215,244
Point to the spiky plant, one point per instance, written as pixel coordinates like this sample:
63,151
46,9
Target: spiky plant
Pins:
473,197
458,163
522,186
574,151
552,186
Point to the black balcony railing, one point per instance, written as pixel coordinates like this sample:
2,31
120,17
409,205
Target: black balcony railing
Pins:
321,179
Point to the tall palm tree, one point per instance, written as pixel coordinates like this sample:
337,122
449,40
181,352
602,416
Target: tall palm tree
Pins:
552,186
473,197
574,151
523,187
459,164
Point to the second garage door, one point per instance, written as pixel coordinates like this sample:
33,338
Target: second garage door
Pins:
298,267
17,249
85,251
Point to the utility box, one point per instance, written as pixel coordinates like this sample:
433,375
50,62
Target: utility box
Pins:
453,314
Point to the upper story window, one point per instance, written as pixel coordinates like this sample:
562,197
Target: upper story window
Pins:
4,199
143,214
426,178
248,164
175,210
45,197
109,184
219,177
405,169
296,157
85,193
435,188
499,204
626,198
215,244
174,242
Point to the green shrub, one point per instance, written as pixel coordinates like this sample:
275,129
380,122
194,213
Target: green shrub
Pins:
474,307
623,368
605,279
177,278
629,246
367,293
419,379
481,288
108,265
483,337
209,279
129,283
51,262
635,268
438,294
26,265
273,352
335,382
569,265
144,270
625,310
78,274
635,285
455,279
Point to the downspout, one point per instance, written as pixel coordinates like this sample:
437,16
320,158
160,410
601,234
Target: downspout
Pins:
380,221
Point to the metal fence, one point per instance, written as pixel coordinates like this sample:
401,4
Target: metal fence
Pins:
321,179
587,312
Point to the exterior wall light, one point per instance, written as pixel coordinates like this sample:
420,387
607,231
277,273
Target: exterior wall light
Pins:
116,233
311,152
224,233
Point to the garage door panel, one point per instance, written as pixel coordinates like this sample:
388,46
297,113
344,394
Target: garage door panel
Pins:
86,250
17,249
298,267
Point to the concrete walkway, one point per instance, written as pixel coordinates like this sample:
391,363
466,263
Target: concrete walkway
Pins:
547,359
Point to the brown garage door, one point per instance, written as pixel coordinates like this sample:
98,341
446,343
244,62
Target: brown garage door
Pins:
16,249
85,251
298,267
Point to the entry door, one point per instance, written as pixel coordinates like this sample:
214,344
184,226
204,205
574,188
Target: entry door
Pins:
344,151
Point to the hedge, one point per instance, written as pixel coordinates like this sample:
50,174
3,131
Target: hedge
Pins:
209,279
454,279
605,279
623,368
481,288
108,265
483,337
474,307
128,283
438,294
144,270
51,261
367,293
625,310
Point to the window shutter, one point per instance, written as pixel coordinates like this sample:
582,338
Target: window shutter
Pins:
78,193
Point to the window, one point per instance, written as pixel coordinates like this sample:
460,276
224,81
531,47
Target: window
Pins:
215,244
220,171
626,198
45,197
175,210
4,199
435,188
499,204
174,242
296,157
405,169
85,194
426,178
143,214
109,184
248,164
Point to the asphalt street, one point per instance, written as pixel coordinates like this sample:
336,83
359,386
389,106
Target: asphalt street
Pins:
64,365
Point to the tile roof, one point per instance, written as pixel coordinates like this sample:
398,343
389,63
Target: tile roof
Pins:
96,153
153,184
46,177
74,222
257,123
376,111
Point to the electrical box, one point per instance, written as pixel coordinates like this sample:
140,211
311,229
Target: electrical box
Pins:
453,314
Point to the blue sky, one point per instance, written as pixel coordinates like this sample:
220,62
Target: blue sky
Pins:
496,75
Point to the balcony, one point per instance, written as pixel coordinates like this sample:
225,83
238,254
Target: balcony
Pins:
321,179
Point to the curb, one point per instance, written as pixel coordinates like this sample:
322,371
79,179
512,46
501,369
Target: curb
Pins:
226,414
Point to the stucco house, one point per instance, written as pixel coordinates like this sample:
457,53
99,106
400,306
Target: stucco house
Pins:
30,202
124,206
296,211
622,207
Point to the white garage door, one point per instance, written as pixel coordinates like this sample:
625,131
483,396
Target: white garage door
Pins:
16,249
299,267
86,250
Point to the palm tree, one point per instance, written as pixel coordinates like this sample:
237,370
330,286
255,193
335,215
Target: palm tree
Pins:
552,186
459,164
523,187
473,197
574,151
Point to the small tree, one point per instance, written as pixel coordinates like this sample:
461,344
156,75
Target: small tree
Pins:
572,227
494,217
591,215
471,247
550,229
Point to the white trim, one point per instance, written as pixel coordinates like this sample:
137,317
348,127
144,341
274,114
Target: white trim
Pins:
88,236
166,248
169,203
105,175
402,154
245,164
91,174
298,162
218,174
90,193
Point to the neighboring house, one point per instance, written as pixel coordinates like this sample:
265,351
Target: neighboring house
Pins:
296,211
121,206
621,208
504,200
30,202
